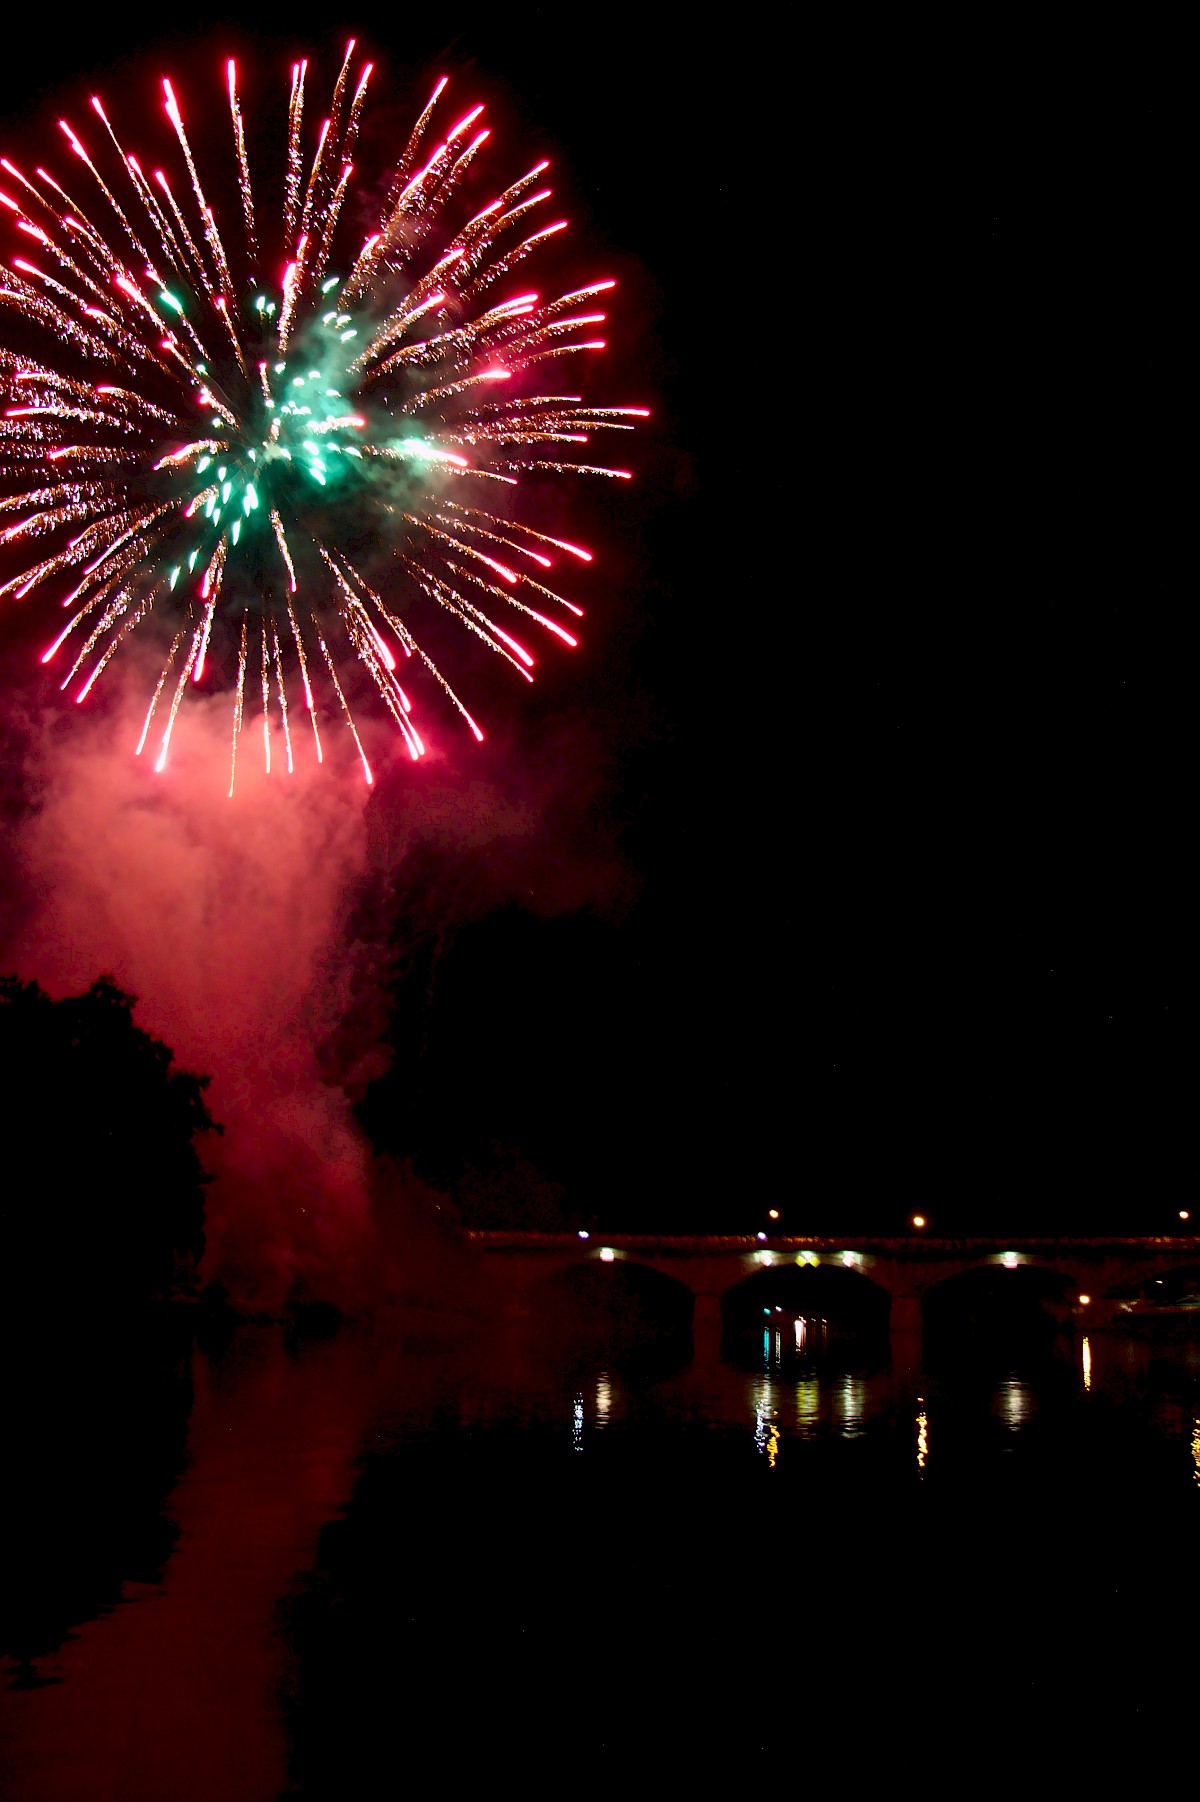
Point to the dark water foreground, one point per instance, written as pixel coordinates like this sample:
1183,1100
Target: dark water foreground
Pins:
391,1558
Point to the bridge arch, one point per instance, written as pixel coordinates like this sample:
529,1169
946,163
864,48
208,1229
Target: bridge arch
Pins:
995,1304
1173,1280
848,1299
627,1300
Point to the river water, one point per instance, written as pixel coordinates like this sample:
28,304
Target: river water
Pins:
347,1566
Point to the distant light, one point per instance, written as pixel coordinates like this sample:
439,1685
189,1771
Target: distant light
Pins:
1184,1214
918,1219
582,1234
1010,1260
773,1214
1085,1301
762,1235
766,1257
607,1254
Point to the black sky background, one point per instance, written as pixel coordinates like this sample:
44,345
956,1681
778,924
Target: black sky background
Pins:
899,682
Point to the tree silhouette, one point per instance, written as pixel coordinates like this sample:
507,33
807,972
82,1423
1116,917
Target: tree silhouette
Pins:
103,1203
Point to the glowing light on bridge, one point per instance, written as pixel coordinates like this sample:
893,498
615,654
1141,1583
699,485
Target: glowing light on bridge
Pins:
1010,1259
607,1254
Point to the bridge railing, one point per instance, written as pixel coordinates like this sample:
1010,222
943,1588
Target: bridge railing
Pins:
920,1243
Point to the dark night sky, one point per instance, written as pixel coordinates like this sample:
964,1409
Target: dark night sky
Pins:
899,681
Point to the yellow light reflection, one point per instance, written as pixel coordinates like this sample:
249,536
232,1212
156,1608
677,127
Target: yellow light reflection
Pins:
1196,1448
922,1436
808,1405
1087,1363
603,1398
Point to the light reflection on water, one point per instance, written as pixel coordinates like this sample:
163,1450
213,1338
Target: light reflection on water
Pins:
852,1400
808,1406
591,1409
281,1444
1013,1401
766,1427
786,1406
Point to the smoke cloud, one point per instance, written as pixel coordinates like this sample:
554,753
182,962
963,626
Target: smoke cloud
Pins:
257,935
219,915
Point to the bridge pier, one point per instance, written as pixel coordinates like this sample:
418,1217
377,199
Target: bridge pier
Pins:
905,1329
706,1329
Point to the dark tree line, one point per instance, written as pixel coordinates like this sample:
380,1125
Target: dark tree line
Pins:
102,1201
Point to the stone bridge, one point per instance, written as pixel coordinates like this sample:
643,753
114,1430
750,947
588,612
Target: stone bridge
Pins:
1093,1272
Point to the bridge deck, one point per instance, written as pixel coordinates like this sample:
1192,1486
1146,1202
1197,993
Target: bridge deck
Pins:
915,1243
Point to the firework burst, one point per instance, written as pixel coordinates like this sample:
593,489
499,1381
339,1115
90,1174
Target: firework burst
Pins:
274,456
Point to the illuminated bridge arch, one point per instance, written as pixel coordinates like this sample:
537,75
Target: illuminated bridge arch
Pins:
845,1295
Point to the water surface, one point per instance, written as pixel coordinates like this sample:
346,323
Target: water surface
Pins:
275,1568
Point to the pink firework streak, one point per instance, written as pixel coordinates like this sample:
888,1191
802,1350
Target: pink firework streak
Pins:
276,459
